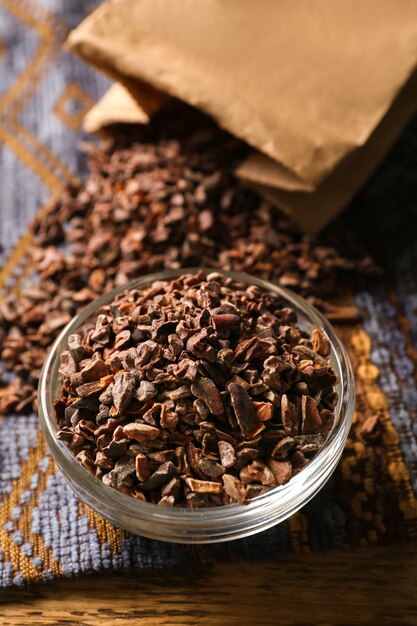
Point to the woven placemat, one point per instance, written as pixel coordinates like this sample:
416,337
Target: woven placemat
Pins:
45,531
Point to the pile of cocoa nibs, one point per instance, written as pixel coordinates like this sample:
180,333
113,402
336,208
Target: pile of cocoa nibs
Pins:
199,391
166,201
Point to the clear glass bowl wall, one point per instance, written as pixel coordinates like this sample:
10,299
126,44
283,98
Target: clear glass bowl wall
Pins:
213,524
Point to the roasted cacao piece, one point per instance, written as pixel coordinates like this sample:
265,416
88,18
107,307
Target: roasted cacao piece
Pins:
204,389
244,408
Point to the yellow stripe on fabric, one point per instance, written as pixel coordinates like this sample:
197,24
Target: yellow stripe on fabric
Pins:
106,532
298,527
47,25
55,164
19,259
16,258
11,552
25,521
27,158
29,73
22,90
370,393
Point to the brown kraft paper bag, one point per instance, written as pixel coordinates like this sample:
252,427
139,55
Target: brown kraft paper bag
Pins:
319,89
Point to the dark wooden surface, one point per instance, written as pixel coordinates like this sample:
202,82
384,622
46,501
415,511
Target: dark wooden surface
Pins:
377,586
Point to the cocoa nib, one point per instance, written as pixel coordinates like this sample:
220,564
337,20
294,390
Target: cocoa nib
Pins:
204,389
244,408
226,321
179,396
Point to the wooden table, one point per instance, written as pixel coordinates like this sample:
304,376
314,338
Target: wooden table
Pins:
377,586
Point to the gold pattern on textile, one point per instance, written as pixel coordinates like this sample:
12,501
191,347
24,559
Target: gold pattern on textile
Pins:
359,459
106,533
24,144
11,551
298,527
75,96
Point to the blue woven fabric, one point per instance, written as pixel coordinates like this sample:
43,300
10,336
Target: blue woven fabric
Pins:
47,531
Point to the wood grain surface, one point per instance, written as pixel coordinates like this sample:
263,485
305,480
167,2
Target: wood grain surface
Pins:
367,587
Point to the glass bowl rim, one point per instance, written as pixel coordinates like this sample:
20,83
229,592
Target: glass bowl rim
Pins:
198,516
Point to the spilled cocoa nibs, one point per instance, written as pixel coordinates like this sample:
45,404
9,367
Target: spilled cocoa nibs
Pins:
207,400
167,200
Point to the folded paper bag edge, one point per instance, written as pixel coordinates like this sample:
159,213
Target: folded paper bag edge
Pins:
115,107
361,139
119,105
313,211
96,53
119,64
261,169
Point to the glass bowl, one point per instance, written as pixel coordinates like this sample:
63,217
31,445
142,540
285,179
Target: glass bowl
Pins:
215,524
